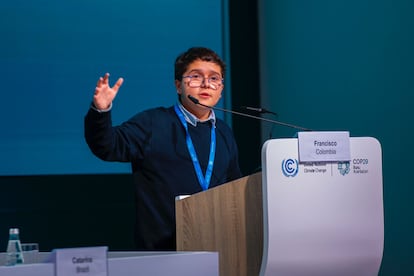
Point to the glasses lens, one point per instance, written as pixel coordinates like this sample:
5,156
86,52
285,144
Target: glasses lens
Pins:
195,82
216,80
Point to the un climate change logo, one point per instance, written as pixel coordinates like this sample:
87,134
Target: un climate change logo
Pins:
290,167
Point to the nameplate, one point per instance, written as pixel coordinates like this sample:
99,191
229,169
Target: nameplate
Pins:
84,261
324,146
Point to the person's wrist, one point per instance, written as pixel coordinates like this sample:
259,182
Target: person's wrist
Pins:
100,110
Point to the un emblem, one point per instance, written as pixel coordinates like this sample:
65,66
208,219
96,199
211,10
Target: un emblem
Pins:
290,167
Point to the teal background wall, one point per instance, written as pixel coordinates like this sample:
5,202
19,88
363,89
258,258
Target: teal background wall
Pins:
348,65
52,54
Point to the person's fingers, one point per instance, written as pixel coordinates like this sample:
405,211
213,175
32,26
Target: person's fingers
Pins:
99,82
97,90
104,82
118,84
105,79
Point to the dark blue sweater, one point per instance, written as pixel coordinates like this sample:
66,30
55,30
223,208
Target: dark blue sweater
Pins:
154,143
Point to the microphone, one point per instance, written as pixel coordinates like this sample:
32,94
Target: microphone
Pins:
196,101
258,110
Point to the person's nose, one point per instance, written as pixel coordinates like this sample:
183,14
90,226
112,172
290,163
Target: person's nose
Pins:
205,82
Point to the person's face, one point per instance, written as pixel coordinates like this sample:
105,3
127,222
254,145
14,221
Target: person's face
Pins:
208,92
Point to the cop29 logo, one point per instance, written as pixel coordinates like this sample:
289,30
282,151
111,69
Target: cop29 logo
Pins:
290,167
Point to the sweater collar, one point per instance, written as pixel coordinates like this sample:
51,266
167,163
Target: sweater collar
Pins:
193,120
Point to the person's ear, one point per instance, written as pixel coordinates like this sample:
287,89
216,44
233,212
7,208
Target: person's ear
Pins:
178,86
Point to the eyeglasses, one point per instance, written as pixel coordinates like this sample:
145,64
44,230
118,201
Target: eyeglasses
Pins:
196,80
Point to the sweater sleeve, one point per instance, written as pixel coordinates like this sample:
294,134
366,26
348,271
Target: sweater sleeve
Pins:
116,143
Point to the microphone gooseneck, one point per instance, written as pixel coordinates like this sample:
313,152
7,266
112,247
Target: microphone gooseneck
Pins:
196,101
258,110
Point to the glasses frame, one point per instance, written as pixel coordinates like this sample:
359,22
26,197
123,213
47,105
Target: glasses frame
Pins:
212,85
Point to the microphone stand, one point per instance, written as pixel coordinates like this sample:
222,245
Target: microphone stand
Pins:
194,100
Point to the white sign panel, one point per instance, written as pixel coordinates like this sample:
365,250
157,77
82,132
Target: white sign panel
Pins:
87,261
322,218
324,146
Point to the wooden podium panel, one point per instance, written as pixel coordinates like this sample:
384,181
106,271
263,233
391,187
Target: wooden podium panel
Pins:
227,219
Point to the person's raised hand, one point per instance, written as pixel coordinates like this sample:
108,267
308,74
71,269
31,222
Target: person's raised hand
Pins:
104,93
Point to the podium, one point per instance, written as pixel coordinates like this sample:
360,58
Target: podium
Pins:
323,218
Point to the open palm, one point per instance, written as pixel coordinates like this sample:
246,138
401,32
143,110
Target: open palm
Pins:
104,93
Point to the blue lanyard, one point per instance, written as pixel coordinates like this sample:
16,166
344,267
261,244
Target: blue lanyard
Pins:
204,180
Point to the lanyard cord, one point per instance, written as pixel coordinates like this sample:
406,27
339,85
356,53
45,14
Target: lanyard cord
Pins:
203,180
